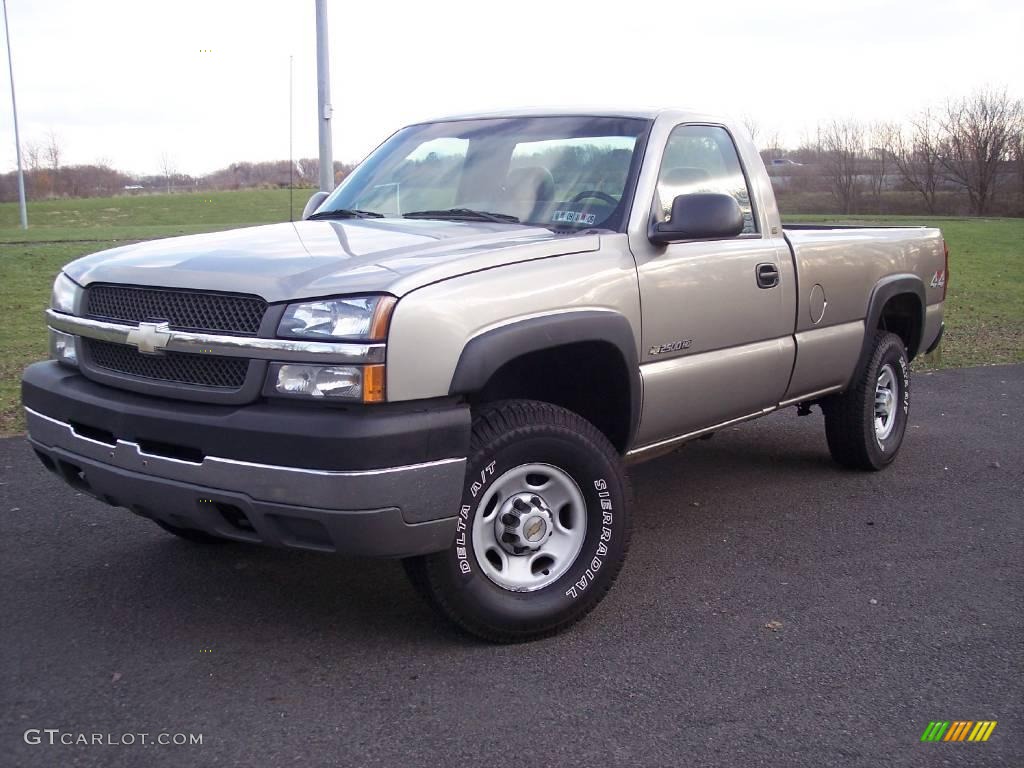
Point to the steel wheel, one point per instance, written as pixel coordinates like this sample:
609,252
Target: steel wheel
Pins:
529,527
542,530
886,400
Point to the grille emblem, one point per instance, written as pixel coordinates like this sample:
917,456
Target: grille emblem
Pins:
150,338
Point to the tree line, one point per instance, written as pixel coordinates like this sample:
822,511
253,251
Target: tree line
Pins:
47,177
966,156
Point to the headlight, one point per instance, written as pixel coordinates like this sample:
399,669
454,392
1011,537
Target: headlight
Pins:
347,382
65,294
362,318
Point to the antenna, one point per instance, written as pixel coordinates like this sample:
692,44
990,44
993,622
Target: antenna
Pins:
291,161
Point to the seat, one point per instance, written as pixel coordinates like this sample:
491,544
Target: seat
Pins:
527,192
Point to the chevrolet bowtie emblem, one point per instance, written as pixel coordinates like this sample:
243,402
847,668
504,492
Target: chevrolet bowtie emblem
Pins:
150,338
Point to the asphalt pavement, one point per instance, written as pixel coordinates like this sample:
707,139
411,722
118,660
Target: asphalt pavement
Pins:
775,610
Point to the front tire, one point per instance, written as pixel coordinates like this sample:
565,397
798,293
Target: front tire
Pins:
543,526
865,425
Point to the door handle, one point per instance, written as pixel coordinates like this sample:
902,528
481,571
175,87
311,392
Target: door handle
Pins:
767,275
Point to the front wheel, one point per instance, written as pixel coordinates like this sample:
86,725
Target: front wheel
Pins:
543,526
865,425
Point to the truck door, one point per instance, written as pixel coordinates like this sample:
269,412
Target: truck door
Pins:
717,314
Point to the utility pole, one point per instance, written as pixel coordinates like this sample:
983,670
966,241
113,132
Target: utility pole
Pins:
323,88
17,138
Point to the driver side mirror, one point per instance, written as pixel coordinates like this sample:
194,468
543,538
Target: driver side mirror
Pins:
313,204
700,216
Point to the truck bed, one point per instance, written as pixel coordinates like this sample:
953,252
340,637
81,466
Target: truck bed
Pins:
812,226
849,261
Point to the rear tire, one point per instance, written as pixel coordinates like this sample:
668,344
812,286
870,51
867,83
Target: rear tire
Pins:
865,425
543,526
191,534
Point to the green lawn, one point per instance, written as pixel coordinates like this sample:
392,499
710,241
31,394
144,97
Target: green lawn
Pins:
145,216
984,313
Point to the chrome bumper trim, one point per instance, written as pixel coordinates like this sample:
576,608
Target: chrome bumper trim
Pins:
655,449
283,350
420,491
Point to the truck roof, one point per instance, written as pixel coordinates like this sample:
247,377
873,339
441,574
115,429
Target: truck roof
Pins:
646,113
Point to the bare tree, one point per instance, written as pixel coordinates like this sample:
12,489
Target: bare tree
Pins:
1017,150
167,168
978,132
881,138
752,127
38,183
842,142
47,181
52,151
916,155
32,153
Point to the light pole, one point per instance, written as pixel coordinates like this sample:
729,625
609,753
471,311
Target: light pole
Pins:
323,88
17,138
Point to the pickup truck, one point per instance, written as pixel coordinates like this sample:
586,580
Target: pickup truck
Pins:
454,355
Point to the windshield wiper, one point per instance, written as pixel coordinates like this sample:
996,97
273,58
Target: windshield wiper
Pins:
347,213
463,214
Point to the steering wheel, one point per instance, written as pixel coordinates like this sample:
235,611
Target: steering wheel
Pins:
596,195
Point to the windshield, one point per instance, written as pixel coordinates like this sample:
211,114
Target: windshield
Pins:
564,173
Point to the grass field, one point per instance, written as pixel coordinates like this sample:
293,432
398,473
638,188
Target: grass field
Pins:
984,311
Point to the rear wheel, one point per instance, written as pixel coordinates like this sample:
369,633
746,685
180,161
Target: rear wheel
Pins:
865,425
543,526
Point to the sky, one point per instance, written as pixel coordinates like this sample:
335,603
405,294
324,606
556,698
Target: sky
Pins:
206,83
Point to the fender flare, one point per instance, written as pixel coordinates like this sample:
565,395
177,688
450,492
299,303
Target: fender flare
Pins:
884,290
485,354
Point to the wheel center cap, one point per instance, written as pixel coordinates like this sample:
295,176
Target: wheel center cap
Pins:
534,528
523,524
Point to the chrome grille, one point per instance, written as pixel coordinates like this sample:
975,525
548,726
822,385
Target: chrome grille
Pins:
183,310
199,370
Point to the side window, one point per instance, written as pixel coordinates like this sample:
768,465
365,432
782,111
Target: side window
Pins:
702,158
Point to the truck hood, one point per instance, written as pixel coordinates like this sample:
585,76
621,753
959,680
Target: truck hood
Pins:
284,262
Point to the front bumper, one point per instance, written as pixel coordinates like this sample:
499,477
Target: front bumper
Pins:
199,466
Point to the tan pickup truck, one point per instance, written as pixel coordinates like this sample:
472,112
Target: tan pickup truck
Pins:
455,354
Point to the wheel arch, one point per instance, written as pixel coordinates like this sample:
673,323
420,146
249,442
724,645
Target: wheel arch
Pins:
897,303
566,348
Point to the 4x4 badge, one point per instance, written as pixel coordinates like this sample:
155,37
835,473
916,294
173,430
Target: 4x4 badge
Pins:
150,338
